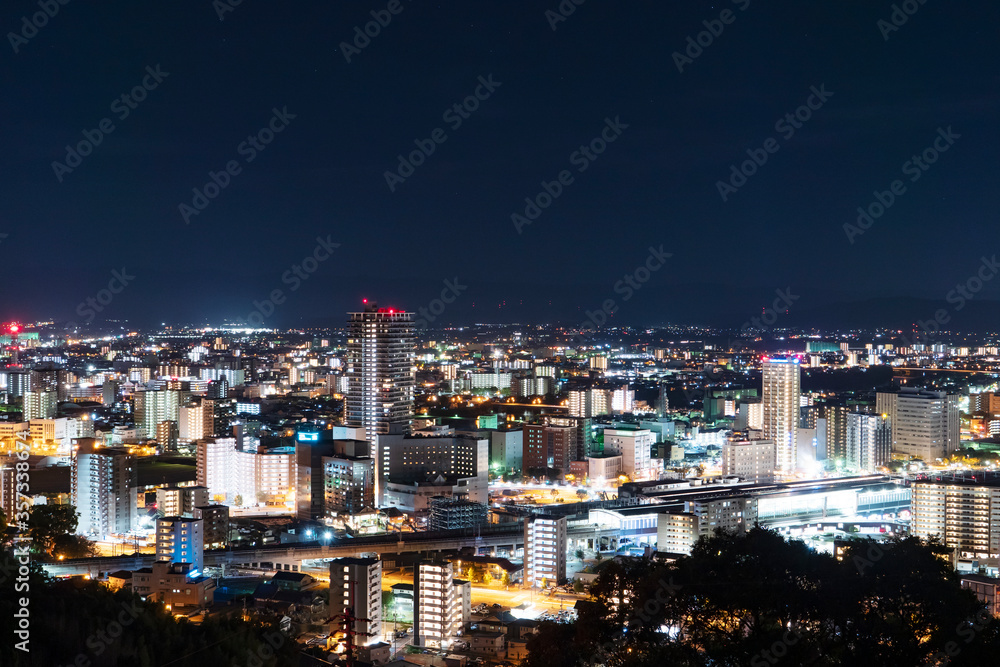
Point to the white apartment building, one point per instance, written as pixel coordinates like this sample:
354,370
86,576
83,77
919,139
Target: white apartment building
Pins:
678,532
252,477
437,611
635,447
964,514
103,489
356,583
780,400
180,500
544,551
196,420
39,405
869,439
750,460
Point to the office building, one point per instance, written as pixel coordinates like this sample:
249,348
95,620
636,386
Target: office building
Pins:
437,610
544,551
356,584
868,441
924,424
409,459
180,540
506,449
348,485
49,432
380,369
750,460
103,489
780,401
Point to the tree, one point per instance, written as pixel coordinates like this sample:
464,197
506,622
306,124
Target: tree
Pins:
578,586
579,554
745,599
238,500
505,579
74,546
47,522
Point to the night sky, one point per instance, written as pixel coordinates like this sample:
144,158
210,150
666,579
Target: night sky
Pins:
323,175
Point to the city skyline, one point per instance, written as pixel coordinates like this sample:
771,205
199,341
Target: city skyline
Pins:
552,333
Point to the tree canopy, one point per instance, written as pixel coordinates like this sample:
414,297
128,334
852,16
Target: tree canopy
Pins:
757,600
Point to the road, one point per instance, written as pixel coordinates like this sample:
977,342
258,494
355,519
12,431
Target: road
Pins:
490,595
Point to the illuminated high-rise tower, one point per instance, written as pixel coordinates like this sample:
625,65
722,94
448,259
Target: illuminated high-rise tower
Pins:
781,409
380,371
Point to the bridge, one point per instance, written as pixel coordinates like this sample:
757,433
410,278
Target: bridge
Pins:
489,538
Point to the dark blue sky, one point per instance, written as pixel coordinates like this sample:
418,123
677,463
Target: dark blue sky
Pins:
323,174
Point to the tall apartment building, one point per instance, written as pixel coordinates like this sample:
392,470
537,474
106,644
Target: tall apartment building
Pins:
180,500
869,440
39,405
544,550
604,400
750,460
381,376
196,420
249,477
635,447
780,400
356,584
437,607
153,407
923,423
180,540
103,489
963,513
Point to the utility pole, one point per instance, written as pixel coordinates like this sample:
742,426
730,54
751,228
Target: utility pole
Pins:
346,621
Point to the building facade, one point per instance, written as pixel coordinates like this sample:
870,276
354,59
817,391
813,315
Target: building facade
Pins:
356,584
544,551
380,370
924,424
780,401
750,460
103,490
